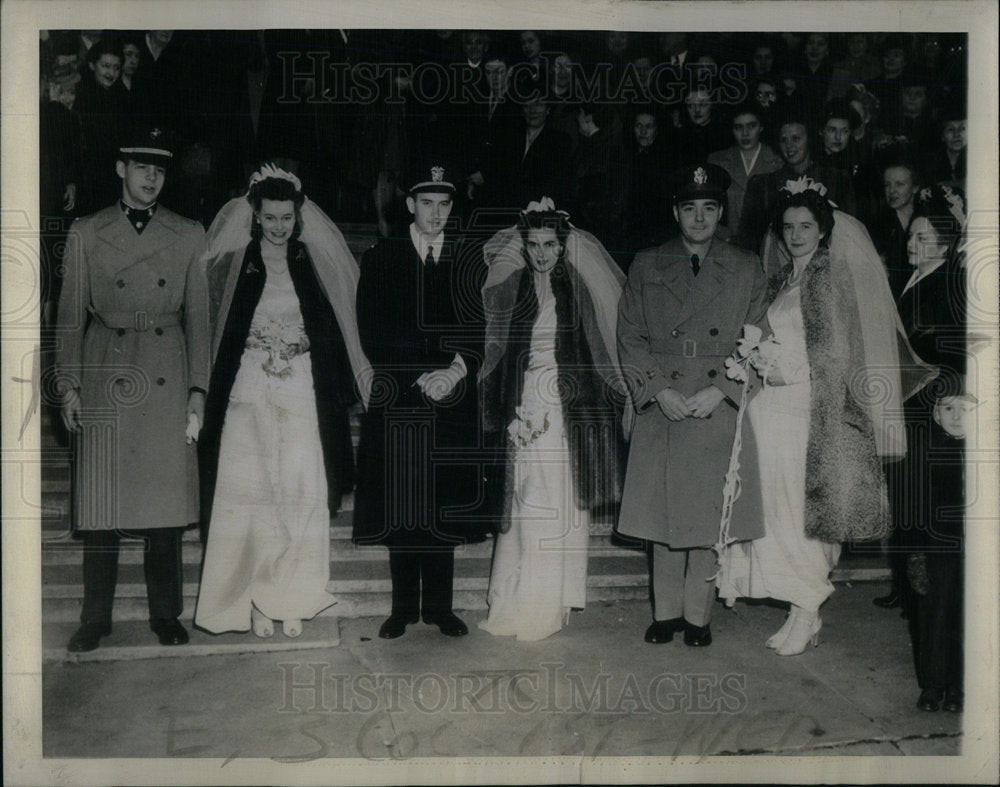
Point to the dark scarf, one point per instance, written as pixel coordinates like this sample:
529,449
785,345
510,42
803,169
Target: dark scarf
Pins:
333,380
590,407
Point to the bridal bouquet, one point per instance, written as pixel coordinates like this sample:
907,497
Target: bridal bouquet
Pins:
282,341
752,350
527,427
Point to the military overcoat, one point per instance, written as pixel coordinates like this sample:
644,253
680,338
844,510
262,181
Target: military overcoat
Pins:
675,330
134,339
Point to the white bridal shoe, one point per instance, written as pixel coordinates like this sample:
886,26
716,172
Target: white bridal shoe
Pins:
291,628
804,631
262,625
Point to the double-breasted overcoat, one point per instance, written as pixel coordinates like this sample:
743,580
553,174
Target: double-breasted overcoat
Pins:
675,330
134,339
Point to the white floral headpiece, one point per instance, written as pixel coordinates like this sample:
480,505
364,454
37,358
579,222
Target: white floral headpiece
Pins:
804,184
955,206
272,171
544,205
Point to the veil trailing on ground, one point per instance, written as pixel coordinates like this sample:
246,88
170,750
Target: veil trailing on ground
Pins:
595,270
332,260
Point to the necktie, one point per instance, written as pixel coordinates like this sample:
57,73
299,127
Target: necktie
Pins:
695,264
429,259
139,218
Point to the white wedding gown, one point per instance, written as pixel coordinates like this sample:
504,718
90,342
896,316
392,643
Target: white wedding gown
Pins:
784,564
269,537
540,564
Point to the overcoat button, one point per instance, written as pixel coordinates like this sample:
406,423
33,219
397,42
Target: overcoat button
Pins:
713,332
712,372
120,283
162,282
675,333
159,332
160,381
674,375
120,331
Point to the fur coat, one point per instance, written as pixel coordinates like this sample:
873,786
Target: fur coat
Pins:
845,487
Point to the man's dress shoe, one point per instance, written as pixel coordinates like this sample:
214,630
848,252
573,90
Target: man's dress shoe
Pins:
169,632
449,623
395,626
661,631
87,637
697,636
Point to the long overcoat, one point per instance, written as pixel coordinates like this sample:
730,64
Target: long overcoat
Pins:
134,338
419,476
675,330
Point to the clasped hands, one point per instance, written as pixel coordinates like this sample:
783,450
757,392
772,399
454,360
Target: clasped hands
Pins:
677,407
439,384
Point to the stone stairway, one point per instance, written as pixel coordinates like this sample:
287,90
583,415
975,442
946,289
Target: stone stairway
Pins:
359,576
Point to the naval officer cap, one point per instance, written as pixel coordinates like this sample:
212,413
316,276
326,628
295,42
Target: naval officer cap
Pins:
432,175
148,145
700,181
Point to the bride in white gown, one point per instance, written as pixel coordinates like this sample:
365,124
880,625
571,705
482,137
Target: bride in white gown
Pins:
286,356
548,388
835,373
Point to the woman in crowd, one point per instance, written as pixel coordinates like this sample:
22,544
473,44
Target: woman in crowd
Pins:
821,434
889,226
949,161
549,389
103,106
933,311
647,219
277,448
748,157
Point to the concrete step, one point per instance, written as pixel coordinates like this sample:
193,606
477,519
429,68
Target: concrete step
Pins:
69,552
131,639
371,599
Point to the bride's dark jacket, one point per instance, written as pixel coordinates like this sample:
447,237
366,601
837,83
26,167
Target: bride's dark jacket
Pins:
591,408
333,380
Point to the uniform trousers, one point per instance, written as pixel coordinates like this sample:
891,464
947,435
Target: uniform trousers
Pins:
422,580
681,583
161,563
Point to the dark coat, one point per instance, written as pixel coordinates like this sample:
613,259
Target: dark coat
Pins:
890,238
419,480
134,338
333,380
676,330
591,408
517,177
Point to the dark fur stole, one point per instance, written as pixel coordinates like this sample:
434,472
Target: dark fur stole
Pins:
591,408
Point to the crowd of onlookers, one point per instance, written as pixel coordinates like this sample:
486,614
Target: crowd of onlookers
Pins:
596,120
